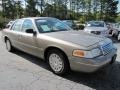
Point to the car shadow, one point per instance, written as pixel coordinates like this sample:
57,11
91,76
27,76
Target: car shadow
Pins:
106,79
32,59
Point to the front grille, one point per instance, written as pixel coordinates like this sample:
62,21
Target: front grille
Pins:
107,48
96,32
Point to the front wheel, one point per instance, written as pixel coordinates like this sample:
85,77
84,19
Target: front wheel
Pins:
58,62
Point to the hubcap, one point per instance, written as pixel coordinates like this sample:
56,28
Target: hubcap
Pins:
8,45
56,62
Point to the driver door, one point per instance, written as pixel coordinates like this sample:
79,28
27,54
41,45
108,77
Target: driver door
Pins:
28,40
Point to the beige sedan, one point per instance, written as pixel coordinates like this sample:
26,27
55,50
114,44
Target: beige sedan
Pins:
59,45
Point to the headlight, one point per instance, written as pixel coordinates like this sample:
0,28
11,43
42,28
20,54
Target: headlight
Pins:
87,54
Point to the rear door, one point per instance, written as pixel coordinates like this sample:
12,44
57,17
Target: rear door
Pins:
15,32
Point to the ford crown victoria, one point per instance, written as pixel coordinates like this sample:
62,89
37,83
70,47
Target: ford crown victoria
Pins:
60,46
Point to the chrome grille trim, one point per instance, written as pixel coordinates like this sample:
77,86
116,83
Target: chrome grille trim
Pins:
106,48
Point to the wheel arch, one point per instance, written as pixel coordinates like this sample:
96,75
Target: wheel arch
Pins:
56,48
5,38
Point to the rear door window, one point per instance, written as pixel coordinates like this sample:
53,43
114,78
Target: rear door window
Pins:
17,25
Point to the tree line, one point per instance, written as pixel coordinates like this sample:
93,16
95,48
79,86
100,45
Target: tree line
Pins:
82,10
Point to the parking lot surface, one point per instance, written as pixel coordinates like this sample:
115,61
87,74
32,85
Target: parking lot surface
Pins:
21,71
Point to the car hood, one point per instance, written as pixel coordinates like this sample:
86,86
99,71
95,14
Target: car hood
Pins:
77,37
95,28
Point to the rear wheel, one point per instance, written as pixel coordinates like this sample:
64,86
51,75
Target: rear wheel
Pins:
9,46
58,62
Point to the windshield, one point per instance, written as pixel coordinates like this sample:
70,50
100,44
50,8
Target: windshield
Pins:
95,24
51,25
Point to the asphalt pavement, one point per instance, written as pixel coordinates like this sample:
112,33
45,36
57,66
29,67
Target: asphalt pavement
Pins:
21,71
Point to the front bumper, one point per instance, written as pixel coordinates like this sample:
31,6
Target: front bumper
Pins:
92,65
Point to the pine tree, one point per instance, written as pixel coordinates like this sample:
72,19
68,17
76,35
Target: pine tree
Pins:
31,8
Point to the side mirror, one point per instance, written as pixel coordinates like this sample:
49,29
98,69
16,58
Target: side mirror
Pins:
31,31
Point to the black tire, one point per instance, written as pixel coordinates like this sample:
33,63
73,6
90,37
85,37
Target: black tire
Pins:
9,48
65,70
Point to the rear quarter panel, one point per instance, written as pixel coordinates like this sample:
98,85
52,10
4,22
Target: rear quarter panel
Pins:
13,36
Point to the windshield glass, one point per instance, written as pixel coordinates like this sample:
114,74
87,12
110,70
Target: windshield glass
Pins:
95,24
51,25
